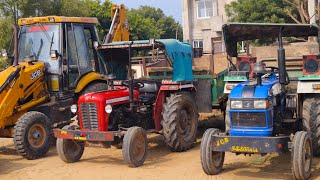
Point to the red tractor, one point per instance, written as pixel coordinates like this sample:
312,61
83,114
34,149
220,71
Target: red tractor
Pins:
130,108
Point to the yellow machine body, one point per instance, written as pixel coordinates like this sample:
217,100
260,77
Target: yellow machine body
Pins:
119,30
22,87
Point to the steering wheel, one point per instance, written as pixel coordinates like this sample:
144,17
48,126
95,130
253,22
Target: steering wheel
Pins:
276,68
136,84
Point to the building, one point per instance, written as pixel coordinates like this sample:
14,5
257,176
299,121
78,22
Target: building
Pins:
202,22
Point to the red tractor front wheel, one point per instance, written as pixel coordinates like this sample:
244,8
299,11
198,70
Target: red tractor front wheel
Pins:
135,145
70,150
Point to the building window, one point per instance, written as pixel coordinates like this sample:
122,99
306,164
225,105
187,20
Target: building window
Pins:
197,43
205,8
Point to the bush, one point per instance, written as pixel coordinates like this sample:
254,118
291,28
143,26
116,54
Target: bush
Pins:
4,63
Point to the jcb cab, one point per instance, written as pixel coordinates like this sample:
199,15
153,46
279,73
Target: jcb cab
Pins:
54,63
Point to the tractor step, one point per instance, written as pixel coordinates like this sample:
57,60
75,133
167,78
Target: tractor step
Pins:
289,120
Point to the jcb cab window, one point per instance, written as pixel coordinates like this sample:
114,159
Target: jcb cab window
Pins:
36,40
78,53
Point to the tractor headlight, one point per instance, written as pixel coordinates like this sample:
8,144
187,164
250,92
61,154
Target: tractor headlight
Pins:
236,104
74,108
261,104
108,108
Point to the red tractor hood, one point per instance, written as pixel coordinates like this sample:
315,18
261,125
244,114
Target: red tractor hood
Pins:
112,97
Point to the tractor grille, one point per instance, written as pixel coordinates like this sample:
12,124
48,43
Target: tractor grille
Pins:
89,116
248,119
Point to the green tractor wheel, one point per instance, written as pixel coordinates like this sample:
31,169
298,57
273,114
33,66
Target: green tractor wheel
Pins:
311,121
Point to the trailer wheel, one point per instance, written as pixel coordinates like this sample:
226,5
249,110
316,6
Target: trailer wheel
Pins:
70,150
32,135
301,155
311,121
180,121
135,145
211,161
227,118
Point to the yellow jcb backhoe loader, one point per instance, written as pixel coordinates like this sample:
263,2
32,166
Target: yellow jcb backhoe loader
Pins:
55,61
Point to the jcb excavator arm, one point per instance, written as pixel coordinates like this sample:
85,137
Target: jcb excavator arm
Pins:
119,29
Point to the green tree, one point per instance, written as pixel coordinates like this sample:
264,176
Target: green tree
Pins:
297,10
262,11
28,8
142,28
5,32
102,11
9,9
148,22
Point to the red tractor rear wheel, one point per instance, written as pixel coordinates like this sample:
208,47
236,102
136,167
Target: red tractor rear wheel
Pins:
180,121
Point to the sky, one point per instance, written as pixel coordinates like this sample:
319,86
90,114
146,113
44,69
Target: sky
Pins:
169,7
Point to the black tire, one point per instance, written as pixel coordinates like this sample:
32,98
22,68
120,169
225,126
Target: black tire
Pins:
227,118
211,161
135,145
301,155
180,121
94,87
33,135
311,121
70,150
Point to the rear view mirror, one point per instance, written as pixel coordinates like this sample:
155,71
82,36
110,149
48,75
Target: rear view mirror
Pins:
96,44
4,53
54,54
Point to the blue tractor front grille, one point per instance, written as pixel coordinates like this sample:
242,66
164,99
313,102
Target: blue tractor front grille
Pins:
248,119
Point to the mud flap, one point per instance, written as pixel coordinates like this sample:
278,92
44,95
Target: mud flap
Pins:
204,95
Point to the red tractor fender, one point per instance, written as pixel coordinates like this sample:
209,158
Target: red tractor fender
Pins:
161,99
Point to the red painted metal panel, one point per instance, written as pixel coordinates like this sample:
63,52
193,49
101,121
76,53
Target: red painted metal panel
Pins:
158,108
101,99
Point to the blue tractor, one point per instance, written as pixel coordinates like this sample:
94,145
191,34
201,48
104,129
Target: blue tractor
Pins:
268,114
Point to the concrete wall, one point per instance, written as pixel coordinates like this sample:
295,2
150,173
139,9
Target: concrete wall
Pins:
211,63
293,50
205,29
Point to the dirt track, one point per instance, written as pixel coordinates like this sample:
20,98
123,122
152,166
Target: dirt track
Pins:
100,163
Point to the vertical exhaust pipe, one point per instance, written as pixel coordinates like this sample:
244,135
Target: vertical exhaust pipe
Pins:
131,101
282,73
282,62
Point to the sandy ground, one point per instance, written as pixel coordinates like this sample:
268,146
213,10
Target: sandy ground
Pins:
98,163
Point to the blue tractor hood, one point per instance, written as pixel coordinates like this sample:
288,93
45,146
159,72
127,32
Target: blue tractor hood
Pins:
249,89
